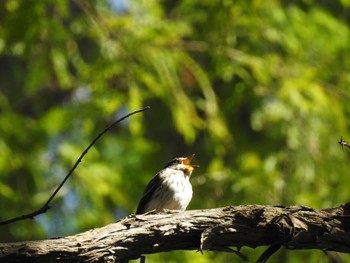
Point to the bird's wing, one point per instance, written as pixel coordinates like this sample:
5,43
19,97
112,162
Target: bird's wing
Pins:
155,183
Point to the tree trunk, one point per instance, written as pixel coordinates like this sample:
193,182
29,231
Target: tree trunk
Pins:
295,227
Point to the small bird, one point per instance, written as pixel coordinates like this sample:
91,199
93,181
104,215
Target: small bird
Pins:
170,188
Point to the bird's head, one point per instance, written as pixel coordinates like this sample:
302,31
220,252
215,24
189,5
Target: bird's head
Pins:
183,164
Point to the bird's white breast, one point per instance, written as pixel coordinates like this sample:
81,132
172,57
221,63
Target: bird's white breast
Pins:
176,192
181,190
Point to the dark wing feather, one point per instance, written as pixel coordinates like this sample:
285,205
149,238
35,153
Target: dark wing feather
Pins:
155,183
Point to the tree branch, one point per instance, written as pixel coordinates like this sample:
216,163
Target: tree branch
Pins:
343,143
46,206
295,227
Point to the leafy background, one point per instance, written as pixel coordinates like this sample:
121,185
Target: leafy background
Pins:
259,90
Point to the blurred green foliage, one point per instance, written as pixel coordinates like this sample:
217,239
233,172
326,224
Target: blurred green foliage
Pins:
259,90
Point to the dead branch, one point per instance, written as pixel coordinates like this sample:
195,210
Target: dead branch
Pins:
46,206
295,227
343,143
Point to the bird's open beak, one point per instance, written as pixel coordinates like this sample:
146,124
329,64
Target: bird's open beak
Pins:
187,162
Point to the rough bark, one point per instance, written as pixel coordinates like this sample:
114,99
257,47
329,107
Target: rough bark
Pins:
295,227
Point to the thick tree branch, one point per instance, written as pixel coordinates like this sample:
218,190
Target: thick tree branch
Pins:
295,227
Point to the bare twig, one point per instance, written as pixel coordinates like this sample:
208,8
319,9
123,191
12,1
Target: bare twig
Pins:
46,206
343,143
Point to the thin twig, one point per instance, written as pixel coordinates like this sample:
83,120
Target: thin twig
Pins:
46,206
343,143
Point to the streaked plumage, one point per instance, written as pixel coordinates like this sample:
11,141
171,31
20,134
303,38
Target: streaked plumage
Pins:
170,188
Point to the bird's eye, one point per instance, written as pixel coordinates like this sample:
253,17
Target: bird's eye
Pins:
175,161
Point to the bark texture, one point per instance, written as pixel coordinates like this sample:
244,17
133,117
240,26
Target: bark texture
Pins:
295,227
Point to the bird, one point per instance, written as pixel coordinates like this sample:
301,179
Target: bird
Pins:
170,188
